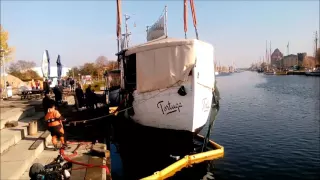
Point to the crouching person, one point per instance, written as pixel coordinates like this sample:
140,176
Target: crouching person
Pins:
54,121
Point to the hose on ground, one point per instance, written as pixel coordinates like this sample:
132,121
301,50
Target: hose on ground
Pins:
68,158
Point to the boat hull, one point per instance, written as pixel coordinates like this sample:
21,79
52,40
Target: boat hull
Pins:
145,150
312,73
167,109
269,73
281,73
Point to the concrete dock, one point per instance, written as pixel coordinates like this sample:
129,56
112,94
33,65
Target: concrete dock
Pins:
19,150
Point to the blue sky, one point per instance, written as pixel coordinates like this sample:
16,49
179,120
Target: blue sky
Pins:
80,31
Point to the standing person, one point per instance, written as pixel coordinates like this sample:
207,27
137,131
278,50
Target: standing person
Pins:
54,120
37,85
46,103
72,85
79,95
89,97
57,94
46,87
32,84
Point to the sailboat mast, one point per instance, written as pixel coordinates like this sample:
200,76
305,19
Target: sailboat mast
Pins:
266,51
270,53
316,44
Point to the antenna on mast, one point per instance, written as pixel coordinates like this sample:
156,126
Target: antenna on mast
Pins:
127,34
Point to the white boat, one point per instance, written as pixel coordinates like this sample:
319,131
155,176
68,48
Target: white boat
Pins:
170,82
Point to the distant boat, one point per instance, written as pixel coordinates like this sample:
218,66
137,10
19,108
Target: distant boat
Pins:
269,73
223,74
260,70
281,73
315,72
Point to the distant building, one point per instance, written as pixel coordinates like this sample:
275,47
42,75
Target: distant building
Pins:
53,71
276,57
301,57
289,61
309,62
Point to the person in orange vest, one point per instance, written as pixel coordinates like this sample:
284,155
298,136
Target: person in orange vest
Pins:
54,120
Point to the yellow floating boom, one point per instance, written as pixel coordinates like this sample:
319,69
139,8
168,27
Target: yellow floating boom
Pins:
188,161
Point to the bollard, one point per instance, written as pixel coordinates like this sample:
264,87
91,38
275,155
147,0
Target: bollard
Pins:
33,127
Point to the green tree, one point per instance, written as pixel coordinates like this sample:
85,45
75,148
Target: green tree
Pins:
8,50
74,72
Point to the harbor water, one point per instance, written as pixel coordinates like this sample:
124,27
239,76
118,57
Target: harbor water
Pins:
269,126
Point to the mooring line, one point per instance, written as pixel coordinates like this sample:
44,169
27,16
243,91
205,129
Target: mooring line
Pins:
118,111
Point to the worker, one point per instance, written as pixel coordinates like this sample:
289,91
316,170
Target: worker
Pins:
55,126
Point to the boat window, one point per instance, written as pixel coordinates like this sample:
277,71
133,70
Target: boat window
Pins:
190,74
130,71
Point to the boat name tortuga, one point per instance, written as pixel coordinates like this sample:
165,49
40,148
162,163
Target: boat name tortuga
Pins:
169,107
205,105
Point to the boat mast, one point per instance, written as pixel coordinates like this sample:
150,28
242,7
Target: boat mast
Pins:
316,44
266,51
126,34
270,54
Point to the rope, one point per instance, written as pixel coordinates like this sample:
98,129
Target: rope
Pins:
118,111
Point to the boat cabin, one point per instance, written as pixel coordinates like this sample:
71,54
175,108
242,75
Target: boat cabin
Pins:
161,63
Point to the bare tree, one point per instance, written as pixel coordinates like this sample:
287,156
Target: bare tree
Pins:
21,66
101,64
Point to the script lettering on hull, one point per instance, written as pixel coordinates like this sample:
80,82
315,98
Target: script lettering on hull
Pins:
205,105
168,108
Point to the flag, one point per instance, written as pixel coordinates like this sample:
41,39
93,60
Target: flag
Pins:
119,20
185,16
157,30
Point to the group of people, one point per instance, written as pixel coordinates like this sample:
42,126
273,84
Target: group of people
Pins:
87,98
69,82
35,84
54,119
